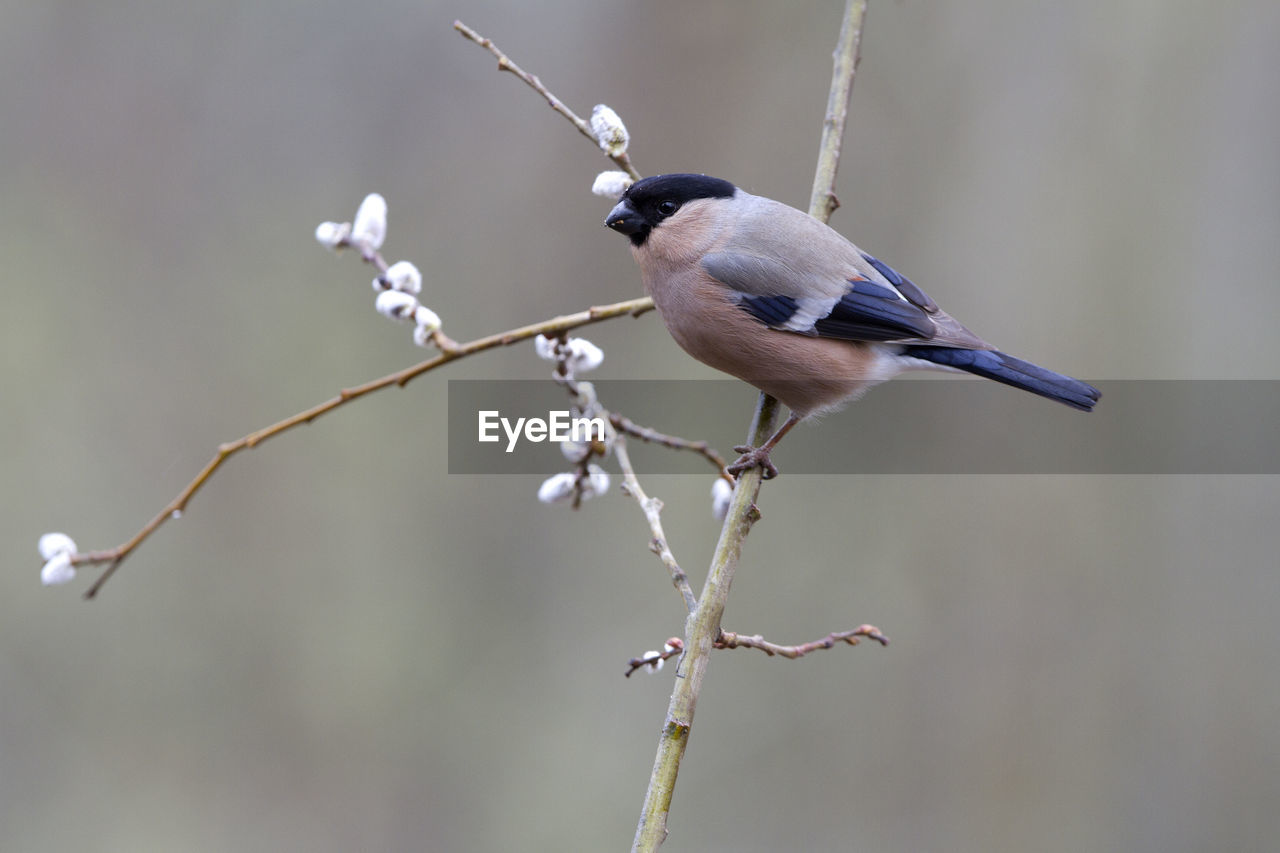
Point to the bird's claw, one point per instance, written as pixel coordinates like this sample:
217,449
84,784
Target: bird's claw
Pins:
753,457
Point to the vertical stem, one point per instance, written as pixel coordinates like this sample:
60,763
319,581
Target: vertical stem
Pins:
822,202
703,625
701,629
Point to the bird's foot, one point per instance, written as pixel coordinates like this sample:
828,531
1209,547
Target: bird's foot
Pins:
753,457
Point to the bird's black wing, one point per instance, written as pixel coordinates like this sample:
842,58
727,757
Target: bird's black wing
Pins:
788,299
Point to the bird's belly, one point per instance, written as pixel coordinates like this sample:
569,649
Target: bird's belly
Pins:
808,374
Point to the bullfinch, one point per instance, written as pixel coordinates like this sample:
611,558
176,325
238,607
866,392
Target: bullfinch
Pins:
774,297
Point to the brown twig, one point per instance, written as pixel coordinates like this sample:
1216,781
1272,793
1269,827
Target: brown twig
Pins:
730,640
554,326
622,160
673,647
649,435
652,508
373,257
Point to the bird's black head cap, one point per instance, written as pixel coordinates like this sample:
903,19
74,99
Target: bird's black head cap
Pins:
651,200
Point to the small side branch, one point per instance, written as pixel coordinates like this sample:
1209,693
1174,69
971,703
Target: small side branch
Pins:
646,434
652,508
730,640
621,159
654,660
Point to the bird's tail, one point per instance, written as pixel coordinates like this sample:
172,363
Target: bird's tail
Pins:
993,364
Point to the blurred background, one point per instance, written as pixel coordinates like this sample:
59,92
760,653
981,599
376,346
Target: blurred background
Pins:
342,647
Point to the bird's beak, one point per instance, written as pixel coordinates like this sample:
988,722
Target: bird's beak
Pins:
624,218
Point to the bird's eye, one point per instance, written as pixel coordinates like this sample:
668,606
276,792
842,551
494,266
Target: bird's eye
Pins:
668,207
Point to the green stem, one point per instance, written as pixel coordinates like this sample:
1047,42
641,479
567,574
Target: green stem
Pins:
703,625
701,630
822,201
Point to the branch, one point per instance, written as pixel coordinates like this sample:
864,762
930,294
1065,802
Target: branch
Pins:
652,436
505,64
554,326
823,201
654,660
652,508
703,626
730,640
450,350
701,630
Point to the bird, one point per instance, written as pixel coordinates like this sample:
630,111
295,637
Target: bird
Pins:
764,292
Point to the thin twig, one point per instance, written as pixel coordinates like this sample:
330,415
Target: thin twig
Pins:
703,625
730,640
649,435
622,160
673,647
400,378
652,508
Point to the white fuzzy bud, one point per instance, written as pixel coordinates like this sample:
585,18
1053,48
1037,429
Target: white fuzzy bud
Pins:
610,132
58,570
575,451
557,488
52,544
721,494
370,226
402,276
425,318
426,323
395,305
332,235
597,482
578,354
545,347
611,184
586,400
653,661
584,355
